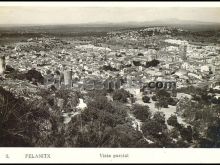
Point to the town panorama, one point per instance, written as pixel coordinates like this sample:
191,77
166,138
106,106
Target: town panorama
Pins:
136,85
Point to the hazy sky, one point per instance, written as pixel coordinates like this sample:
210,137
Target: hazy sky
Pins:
72,15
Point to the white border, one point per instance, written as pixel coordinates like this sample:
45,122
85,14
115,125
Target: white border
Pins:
113,4
92,155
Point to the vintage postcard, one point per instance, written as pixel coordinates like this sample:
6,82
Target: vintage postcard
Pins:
109,82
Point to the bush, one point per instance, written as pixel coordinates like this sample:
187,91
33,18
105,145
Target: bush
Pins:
146,99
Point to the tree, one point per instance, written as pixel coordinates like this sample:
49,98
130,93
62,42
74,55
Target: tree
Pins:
124,136
206,143
9,69
213,133
215,100
140,54
172,121
96,93
142,143
152,63
182,144
161,104
34,75
109,113
154,98
155,129
161,94
183,104
186,133
157,105
141,112
163,97
137,63
174,133
146,99
159,117
151,127
121,95
172,101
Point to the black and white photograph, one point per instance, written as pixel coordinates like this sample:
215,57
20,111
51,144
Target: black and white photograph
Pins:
109,76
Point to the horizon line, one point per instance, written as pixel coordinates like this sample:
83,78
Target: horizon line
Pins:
133,23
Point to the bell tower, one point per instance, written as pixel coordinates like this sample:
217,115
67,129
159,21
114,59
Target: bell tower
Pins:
2,65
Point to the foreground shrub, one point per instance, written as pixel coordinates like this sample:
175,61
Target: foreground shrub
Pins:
24,124
102,124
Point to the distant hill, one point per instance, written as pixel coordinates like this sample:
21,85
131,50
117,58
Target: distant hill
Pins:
108,26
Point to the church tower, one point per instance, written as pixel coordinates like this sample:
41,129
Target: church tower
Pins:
2,65
183,52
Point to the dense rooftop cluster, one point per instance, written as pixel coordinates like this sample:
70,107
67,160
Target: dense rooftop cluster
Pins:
133,58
